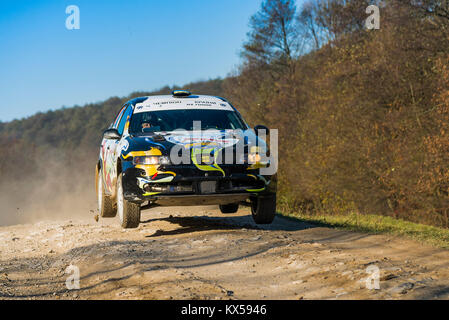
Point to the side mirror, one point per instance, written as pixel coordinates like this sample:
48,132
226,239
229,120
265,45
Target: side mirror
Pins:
111,134
261,128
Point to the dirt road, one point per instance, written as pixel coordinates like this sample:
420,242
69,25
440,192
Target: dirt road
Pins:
198,253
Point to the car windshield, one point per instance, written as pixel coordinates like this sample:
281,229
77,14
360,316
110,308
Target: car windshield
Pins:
170,120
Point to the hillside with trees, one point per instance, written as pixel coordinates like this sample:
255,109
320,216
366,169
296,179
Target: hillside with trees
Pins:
363,115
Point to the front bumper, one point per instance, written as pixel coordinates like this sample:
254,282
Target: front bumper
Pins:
196,188
200,200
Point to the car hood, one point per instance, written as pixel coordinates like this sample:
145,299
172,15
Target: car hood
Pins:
165,141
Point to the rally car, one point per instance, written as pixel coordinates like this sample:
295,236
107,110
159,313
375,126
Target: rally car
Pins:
183,150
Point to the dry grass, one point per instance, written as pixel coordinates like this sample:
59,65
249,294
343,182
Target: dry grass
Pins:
376,224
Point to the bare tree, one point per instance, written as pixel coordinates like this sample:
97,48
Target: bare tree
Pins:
273,34
308,24
332,19
437,11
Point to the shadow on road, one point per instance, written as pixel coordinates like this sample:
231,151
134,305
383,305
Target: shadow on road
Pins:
205,223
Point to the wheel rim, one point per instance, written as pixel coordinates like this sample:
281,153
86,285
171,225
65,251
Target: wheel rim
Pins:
100,191
120,199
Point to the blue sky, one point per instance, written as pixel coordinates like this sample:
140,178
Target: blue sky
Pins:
121,47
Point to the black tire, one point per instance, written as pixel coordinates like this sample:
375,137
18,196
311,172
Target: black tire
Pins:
106,205
229,208
128,212
263,209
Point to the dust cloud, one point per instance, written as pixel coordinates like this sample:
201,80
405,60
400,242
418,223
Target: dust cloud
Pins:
61,189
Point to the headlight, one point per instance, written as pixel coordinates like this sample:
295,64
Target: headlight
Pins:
150,160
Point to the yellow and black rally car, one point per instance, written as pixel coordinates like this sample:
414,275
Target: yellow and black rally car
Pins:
183,150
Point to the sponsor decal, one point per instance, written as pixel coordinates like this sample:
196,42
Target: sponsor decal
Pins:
202,139
179,104
124,145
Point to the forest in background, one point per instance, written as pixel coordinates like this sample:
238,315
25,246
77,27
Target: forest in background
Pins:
363,115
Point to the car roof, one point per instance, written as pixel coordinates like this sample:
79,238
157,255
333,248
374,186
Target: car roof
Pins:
170,102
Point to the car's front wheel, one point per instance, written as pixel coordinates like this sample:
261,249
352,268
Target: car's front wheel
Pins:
105,204
263,209
128,212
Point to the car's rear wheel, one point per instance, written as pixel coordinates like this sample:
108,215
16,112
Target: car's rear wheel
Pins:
263,209
128,212
105,204
229,208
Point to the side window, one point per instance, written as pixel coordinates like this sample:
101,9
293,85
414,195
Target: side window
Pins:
122,122
117,119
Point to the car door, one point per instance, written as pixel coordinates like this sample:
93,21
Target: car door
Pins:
113,150
107,156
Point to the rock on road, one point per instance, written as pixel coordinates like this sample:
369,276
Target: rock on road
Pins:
199,253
